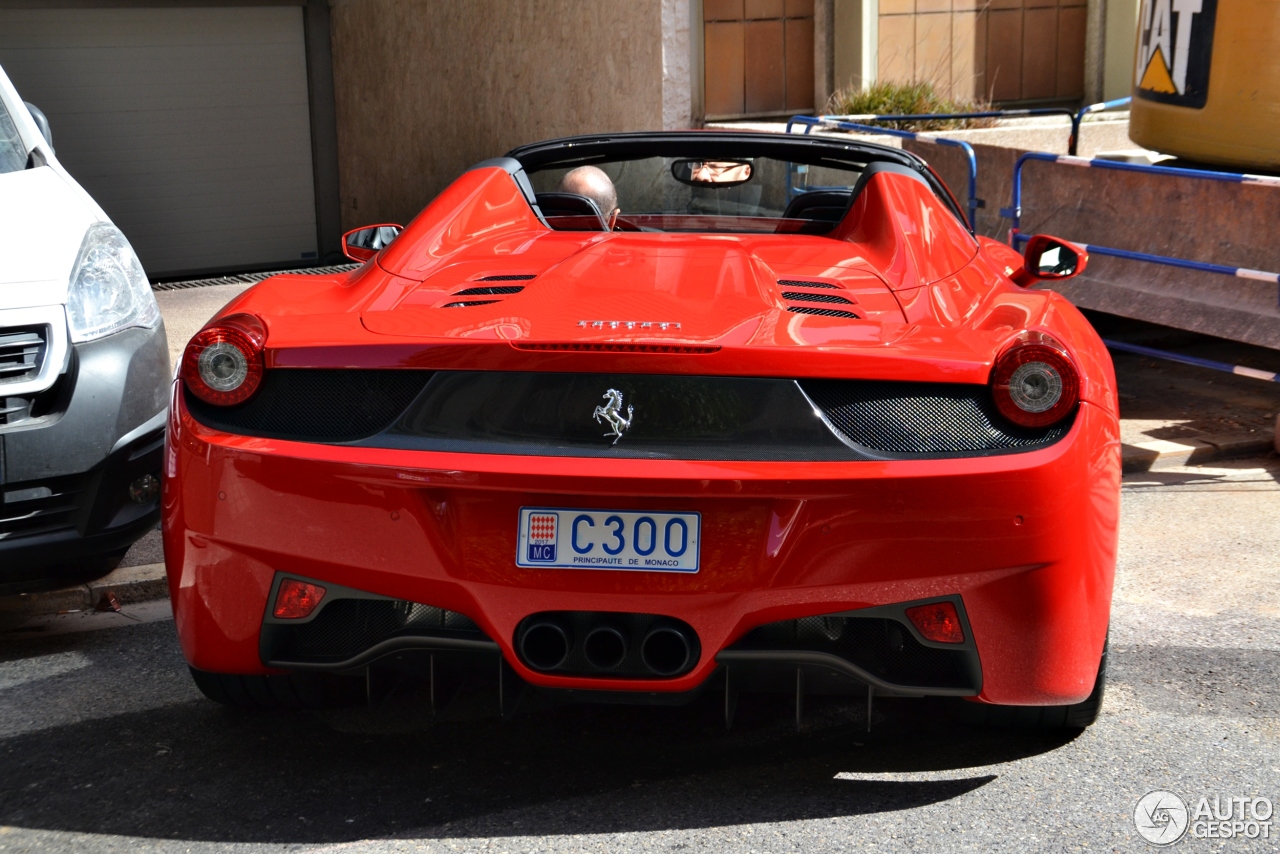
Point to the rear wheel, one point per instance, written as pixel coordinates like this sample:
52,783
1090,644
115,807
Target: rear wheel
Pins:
288,691
1075,716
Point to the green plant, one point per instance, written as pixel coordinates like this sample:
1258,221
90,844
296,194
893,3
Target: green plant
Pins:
888,98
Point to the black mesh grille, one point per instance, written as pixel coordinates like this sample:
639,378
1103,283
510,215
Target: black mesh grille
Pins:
883,647
14,409
522,277
801,283
822,312
921,418
471,302
39,506
802,296
316,405
21,353
676,417
494,291
685,417
347,627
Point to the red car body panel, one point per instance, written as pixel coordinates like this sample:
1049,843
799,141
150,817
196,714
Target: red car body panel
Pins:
1028,540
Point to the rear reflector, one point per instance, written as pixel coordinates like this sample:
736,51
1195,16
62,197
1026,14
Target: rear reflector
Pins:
674,349
938,622
297,599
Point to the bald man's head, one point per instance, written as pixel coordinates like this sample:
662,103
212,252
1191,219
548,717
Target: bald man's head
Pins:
593,183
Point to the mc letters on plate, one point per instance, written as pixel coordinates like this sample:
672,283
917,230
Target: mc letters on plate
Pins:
645,541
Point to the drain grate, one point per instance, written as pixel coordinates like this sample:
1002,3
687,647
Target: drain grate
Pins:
250,278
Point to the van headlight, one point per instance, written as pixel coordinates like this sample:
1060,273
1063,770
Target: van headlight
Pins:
109,290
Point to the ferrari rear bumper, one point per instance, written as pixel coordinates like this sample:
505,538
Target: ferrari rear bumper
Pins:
1023,543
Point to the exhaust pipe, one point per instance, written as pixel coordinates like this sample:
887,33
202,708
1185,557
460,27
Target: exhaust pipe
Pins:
605,647
666,650
545,644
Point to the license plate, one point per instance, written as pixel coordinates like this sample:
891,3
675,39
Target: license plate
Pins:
560,538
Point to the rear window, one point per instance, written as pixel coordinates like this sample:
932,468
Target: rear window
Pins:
13,153
697,194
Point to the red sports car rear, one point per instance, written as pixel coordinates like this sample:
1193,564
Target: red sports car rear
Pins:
769,409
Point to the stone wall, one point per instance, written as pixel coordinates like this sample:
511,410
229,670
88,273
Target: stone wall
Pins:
426,88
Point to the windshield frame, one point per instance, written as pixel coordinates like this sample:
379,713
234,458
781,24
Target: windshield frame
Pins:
797,148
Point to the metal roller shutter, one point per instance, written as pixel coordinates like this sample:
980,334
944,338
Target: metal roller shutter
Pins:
189,126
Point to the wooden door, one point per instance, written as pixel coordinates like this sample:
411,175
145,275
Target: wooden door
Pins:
1035,50
757,57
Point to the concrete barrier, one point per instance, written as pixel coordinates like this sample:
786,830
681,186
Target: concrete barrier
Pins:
1230,224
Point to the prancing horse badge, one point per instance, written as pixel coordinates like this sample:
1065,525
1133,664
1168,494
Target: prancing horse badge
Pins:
611,412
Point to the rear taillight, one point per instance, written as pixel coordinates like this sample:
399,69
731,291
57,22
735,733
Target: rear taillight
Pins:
1034,383
938,622
223,363
296,599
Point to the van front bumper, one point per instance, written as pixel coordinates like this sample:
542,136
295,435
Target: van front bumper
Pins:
65,474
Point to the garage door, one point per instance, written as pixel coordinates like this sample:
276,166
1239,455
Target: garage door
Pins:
189,126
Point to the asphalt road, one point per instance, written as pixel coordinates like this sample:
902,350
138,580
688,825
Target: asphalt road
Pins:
105,744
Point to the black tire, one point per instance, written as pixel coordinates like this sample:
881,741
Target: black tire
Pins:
1076,716
290,691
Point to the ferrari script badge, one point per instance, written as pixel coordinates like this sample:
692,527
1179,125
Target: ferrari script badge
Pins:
611,412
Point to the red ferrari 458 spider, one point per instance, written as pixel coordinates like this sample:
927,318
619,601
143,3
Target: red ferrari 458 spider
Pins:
649,414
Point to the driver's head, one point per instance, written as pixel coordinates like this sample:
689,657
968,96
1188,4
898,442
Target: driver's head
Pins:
593,183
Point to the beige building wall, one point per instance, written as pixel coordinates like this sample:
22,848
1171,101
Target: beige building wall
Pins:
1120,45
425,89
942,42
854,42
1002,50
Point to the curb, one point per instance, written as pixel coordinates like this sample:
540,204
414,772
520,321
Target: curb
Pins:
130,584
1163,454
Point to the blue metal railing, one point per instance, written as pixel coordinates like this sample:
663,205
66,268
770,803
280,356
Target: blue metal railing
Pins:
1238,370
810,122
1086,110
1014,211
1076,116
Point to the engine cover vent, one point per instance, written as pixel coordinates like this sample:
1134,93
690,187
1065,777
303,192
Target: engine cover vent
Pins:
499,290
801,296
801,283
822,312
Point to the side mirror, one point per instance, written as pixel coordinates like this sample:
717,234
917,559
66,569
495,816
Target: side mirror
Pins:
42,122
361,244
1050,259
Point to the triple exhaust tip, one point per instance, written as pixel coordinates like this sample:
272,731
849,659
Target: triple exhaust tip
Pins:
664,650
545,644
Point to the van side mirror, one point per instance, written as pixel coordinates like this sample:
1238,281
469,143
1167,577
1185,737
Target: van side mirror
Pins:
42,122
1050,259
361,244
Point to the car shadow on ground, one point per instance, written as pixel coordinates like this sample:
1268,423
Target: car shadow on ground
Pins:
194,770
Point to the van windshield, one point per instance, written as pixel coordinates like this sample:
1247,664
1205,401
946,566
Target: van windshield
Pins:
13,153
699,194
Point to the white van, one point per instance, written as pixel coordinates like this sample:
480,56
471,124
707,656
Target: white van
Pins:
84,371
